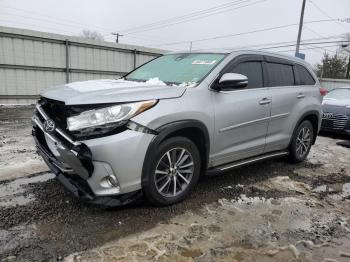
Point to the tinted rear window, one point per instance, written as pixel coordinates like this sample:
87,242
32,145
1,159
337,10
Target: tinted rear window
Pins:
280,74
253,71
305,78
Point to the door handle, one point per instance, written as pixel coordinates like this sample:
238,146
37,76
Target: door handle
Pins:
300,95
265,101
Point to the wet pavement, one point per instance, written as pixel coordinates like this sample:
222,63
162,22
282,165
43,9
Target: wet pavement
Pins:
17,150
271,211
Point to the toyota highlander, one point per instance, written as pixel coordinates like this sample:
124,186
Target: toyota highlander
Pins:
158,129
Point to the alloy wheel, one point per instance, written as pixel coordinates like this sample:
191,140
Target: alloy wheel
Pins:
174,172
303,142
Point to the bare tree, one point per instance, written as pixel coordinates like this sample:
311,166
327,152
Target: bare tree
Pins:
94,35
344,50
332,66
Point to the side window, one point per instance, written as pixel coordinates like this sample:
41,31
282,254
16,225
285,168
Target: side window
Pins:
305,77
252,70
280,74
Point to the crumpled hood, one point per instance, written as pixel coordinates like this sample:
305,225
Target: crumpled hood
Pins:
111,91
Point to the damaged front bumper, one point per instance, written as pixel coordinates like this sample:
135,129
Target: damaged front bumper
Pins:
71,161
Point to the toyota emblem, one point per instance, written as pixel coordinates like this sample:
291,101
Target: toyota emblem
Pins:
49,125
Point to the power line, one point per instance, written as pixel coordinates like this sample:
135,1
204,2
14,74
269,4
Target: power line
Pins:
65,21
320,35
273,44
42,26
74,24
312,43
242,33
70,23
289,42
311,48
324,12
189,15
43,19
313,31
74,27
191,19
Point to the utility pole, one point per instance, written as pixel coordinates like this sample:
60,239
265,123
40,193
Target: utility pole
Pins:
347,74
191,46
117,35
301,21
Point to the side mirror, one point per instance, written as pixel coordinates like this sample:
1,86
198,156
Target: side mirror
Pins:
232,80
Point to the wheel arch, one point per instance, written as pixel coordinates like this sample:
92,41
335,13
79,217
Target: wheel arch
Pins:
314,117
195,130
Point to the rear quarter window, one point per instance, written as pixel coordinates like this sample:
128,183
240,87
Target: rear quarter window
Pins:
305,78
280,74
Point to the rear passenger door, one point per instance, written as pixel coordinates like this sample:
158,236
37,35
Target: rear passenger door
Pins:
286,96
241,115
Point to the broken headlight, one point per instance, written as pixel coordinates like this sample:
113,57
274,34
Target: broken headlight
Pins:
116,115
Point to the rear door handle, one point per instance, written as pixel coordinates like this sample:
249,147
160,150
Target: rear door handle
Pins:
300,95
265,101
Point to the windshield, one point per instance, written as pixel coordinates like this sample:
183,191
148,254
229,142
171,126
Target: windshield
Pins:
339,94
179,69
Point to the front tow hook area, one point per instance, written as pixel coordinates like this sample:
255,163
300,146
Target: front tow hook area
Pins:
79,158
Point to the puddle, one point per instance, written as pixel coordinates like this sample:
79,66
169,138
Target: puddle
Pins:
14,192
285,184
336,191
345,193
192,253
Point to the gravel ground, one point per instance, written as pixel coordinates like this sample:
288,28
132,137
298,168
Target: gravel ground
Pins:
271,211
17,151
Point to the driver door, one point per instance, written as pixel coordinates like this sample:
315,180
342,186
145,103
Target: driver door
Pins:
241,115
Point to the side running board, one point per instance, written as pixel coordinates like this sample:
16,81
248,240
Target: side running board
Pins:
247,161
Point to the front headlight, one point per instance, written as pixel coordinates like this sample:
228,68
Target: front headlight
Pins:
118,114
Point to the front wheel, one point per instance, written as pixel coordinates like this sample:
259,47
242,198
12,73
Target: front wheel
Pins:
174,173
301,142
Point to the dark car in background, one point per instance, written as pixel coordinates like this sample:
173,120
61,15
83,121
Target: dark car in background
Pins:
336,111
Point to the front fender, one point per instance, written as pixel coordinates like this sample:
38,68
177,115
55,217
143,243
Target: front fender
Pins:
164,132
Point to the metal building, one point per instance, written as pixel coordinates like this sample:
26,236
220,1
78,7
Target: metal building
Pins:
31,61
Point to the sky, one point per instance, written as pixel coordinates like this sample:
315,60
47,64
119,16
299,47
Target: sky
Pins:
227,24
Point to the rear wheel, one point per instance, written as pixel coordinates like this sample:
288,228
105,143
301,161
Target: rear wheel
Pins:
174,173
301,142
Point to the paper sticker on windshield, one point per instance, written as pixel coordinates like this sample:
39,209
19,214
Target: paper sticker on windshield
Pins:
203,62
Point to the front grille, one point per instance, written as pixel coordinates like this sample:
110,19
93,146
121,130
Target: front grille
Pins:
59,112
337,121
56,110
42,146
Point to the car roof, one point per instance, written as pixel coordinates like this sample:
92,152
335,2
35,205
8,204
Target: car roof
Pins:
245,52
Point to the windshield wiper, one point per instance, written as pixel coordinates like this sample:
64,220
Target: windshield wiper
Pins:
135,80
168,83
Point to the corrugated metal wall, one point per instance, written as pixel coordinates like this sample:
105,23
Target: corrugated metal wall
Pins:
31,61
330,84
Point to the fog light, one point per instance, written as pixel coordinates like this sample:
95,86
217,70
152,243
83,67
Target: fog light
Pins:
112,181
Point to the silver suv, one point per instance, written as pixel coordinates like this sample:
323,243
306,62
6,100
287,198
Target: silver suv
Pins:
159,128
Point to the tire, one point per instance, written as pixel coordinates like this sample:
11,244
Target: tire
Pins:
181,151
301,142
